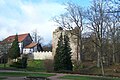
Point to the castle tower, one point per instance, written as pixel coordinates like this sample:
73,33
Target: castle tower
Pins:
73,41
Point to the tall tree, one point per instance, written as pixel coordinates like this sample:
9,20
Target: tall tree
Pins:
14,51
58,63
67,54
114,22
97,19
62,58
74,17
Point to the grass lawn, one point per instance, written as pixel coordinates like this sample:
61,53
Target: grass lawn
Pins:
32,65
30,74
36,66
71,77
2,66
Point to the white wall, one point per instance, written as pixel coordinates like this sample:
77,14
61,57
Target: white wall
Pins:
41,55
27,50
20,46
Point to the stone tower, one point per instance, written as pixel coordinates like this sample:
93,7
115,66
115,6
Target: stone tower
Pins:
73,41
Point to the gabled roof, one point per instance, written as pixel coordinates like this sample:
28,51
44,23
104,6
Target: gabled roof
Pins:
21,37
31,45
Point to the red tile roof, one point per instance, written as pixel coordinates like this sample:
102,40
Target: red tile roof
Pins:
31,45
21,37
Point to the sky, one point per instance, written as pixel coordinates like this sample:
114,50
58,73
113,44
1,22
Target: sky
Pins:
26,16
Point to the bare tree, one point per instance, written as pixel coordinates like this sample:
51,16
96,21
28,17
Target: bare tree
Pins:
36,37
113,25
103,20
73,17
114,6
48,47
98,21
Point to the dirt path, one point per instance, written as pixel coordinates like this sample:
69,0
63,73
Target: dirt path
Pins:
15,78
56,77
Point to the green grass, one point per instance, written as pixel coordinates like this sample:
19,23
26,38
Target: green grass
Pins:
2,66
71,77
30,74
32,65
36,65
12,74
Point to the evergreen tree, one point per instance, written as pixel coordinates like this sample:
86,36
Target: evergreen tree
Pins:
62,58
58,64
67,54
14,51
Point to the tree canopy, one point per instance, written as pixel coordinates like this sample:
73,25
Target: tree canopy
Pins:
62,58
14,51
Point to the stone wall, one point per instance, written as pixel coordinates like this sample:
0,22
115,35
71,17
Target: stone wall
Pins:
40,55
72,37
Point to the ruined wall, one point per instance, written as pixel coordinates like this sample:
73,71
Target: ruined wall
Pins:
72,37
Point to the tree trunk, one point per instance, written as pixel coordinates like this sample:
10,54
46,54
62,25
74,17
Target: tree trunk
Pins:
80,44
98,60
102,67
113,52
77,49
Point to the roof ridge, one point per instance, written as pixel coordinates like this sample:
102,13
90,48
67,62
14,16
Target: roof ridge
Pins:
32,44
19,34
20,37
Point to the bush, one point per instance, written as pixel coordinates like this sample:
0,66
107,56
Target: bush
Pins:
21,63
48,64
14,64
77,66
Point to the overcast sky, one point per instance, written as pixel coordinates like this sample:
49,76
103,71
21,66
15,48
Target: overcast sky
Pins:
24,16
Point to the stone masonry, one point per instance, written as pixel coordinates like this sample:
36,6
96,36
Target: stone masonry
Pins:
72,37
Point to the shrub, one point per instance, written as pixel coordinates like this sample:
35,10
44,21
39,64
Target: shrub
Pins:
48,64
21,63
77,66
14,64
